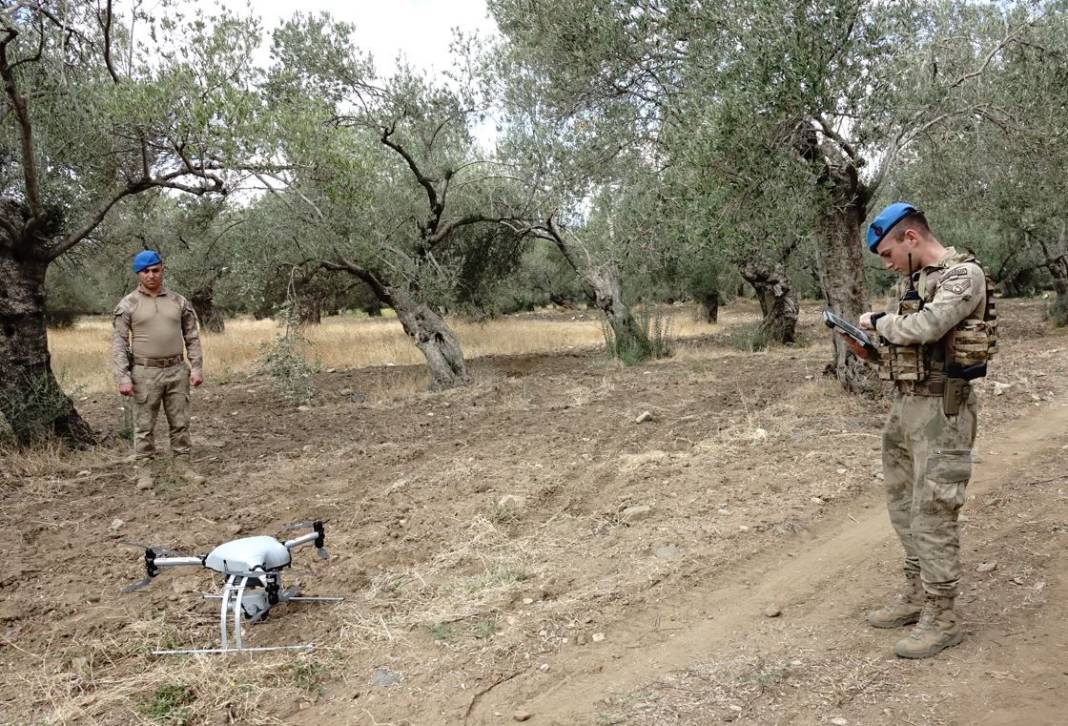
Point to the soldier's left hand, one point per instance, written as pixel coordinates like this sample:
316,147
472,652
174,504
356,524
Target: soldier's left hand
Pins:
195,379
865,322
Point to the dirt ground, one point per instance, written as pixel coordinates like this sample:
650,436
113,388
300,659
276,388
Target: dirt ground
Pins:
525,549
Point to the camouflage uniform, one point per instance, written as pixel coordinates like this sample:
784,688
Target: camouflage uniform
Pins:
927,455
148,335
927,452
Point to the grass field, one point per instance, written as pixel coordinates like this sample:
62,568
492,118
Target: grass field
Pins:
81,354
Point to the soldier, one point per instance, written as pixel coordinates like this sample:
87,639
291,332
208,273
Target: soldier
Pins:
937,341
149,329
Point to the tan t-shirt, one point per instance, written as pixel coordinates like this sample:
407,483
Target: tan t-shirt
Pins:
154,327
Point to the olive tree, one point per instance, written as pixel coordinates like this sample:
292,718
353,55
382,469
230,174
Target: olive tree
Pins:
88,119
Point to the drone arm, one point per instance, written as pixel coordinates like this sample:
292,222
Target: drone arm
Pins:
317,536
291,544
178,561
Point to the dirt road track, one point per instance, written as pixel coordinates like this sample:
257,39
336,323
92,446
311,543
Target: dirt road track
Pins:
823,585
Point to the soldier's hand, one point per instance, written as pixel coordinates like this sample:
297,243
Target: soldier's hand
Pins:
126,389
865,322
195,379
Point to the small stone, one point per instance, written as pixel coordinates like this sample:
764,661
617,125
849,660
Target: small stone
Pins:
345,391
84,472
840,471
544,667
636,513
724,510
816,500
839,721
522,715
1000,388
331,370
644,416
528,601
743,528
511,503
986,567
234,529
303,408
667,552
772,611
116,524
384,677
598,637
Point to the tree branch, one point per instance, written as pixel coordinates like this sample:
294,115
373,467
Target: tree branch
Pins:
106,25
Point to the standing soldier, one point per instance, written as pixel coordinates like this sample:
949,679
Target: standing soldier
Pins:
936,342
150,327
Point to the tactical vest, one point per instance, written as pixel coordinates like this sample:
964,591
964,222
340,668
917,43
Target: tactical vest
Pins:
969,345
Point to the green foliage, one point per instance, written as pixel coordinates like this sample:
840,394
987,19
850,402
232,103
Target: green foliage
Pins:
444,632
307,675
168,704
284,361
748,337
647,336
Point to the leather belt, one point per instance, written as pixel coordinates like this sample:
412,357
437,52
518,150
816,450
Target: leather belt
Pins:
158,362
932,388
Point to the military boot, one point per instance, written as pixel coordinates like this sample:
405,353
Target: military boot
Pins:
184,470
144,478
904,610
937,630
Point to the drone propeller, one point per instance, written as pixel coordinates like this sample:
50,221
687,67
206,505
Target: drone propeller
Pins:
310,524
137,584
165,551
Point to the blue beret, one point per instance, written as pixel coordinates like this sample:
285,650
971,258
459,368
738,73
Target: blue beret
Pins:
145,259
885,221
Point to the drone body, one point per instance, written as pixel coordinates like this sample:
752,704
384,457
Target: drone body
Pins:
253,569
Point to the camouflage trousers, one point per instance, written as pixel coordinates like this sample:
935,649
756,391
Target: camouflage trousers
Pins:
169,387
927,462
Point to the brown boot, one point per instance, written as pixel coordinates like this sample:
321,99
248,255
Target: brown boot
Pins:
937,630
185,471
904,610
144,478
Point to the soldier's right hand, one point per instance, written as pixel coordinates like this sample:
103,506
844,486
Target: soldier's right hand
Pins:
126,389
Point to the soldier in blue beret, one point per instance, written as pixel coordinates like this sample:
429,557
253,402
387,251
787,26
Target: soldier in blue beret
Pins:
153,330
935,341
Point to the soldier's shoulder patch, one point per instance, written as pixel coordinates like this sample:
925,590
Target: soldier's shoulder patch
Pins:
954,272
957,287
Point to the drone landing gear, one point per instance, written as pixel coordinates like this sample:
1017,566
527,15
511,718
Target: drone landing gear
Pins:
255,608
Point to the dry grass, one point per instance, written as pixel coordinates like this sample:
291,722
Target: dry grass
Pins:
81,354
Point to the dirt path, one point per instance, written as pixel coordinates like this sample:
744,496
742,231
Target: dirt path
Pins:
824,585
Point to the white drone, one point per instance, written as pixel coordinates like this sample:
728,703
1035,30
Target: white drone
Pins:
253,568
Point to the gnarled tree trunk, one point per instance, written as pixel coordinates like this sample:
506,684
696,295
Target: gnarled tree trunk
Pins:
710,307
422,323
840,266
432,336
627,335
211,317
31,400
778,303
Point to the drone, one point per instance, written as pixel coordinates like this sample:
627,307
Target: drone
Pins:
253,568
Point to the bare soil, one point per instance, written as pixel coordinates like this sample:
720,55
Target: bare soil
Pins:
524,547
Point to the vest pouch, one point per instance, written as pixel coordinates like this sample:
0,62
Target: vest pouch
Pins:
968,343
908,363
